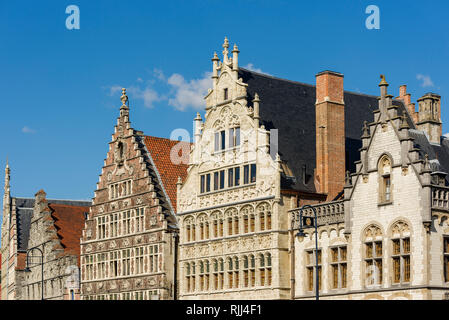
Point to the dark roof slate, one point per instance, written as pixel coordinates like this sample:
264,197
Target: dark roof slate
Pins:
24,211
289,106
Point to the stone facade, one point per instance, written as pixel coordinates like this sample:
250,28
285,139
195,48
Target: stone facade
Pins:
128,244
52,226
389,239
232,216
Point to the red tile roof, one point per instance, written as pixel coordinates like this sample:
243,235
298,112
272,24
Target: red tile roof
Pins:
160,149
69,223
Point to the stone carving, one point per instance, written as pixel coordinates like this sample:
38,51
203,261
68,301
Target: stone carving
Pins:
373,232
109,176
88,248
400,228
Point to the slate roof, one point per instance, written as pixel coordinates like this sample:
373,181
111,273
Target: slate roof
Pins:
24,211
160,149
289,106
438,154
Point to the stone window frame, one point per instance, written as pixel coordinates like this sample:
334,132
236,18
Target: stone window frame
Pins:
446,258
310,269
341,263
373,235
385,173
400,232
126,187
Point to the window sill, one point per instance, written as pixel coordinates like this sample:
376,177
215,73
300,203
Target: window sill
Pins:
386,203
221,151
227,189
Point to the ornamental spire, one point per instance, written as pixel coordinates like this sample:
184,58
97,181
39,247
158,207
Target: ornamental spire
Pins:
225,49
124,98
7,176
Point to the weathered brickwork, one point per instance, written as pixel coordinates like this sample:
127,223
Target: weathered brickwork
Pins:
127,246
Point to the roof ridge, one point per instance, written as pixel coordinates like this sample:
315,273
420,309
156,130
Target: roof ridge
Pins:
168,139
305,84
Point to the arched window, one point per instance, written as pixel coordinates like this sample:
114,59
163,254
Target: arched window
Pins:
268,268
215,274
245,271
252,222
221,274
262,275
201,231
252,270
373,255
236,272
236,224
201,276
400,252
192,278
206,277
206,231
230,273
385,186
188,275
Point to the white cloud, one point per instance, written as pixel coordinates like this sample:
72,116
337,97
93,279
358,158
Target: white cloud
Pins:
28,130
188,93
148,95
426,80
113,89
159,74
251,67
180,93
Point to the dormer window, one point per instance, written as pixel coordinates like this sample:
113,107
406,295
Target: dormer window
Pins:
225,94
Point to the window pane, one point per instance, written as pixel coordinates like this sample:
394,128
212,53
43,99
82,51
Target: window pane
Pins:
231,138
217,141
406,245
334,254
237,136
396,246
208,182
237,176
202,183
223,140
396,270
253,173
231,177
215,180
407,269
378,249
343,254
245,174
222,179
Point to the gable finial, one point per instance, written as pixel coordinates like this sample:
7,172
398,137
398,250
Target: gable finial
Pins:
7,176
124,97
225,49
383,82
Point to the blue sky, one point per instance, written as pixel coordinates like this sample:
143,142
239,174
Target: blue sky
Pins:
58,87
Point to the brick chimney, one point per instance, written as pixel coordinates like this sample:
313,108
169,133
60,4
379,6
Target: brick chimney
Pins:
330,134
429,116
406,99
